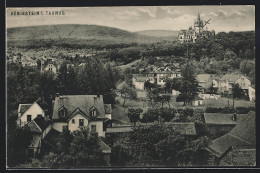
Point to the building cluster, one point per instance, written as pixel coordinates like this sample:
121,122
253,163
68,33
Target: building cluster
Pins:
208,83
193,34
224,84
232,133
158,76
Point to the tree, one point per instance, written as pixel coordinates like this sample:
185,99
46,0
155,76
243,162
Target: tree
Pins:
189,85
134,114
127,92
85,149
18,140
236,92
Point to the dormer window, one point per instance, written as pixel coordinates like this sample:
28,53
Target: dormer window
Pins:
93,111
62,112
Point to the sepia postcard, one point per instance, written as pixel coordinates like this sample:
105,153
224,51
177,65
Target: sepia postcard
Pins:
130,87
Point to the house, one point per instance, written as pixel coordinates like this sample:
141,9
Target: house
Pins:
198,101
251,93
75,111
237,146
175,93
161,74
108,111
28,112
39,127
215,83
204,81
54,137
49,65
220,124
138,81
227,81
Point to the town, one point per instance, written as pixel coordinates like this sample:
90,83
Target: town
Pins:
183,103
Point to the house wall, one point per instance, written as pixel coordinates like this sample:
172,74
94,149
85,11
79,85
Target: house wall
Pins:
196,102
139,85
251,93
109,116
75,126
46,131
99,127
222,129
34,110
59,126
243,82
52,66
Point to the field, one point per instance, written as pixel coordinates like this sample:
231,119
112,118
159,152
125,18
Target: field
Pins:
120,112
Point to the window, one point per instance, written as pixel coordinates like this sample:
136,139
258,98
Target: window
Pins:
29,118
81,122
64,128
62,112
93,128
39,115
93,113
73,121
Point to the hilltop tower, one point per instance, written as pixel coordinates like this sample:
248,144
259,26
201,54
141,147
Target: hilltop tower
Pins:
198,24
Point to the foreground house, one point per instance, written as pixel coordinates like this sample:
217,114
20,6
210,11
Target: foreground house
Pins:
75,111
220,124
28,112
238,147
39,127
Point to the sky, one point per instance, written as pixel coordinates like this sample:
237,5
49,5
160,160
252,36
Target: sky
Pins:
131,18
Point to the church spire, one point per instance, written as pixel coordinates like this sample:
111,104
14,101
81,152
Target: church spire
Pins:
198,16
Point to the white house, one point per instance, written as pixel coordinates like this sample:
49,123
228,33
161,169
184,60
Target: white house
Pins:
138,81
197,101
75,111
251,93
28,112
227,81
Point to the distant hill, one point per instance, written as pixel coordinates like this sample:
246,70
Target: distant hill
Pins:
75,35
159,33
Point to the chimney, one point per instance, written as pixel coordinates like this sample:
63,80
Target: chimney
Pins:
234,117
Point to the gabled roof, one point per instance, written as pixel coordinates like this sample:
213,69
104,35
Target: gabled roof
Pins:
83,102
104,147
78,111
198,98
243,134
203,77
23,107
139,77
184,128
42,122
239,156
230,77
108,108
39,124
220,118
